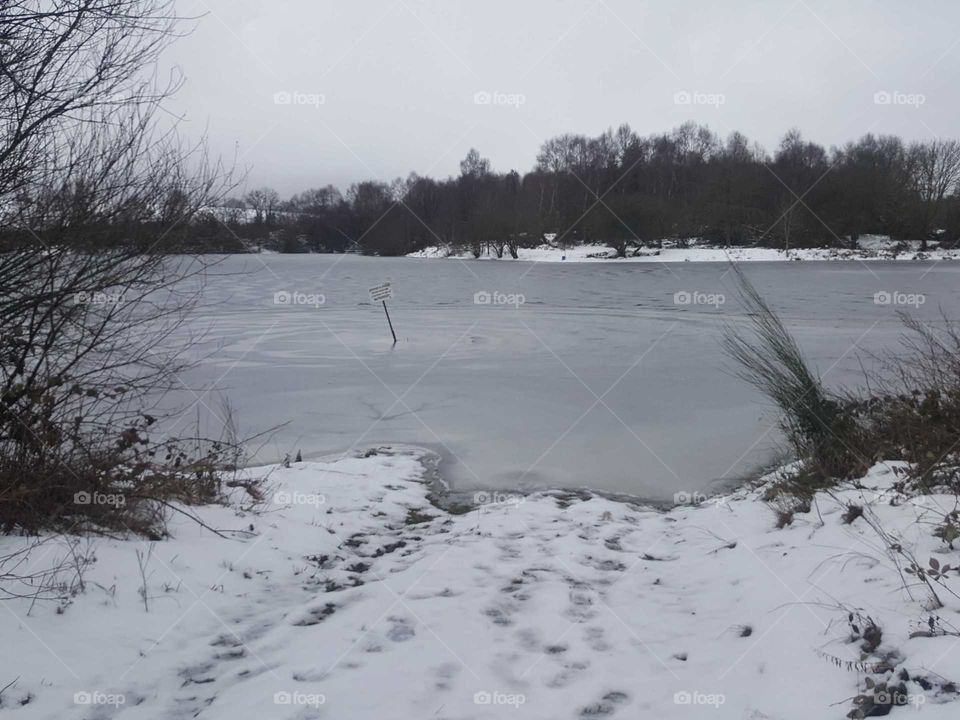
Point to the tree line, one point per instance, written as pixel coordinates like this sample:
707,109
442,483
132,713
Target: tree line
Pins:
626,191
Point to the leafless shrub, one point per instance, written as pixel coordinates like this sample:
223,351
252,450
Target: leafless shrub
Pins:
913,413
94,191
34,572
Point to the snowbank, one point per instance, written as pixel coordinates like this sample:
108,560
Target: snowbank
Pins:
354,597
869,249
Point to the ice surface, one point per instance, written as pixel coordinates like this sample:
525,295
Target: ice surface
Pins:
599,378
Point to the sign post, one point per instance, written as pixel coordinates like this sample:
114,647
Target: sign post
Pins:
381,293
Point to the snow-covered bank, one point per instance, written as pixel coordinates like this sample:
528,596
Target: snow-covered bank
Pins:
353,597
868,250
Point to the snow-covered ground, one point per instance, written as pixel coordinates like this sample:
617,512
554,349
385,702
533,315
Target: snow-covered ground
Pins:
352,596
870,248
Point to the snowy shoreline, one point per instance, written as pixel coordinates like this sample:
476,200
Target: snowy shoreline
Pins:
353,595
869,250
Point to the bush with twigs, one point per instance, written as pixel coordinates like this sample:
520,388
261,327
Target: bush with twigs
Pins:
909,409
94,195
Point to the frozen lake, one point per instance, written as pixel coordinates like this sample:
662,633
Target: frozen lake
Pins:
600,378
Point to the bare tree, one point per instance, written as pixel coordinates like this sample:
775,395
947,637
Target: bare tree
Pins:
264,203
935,171
474,165
94,192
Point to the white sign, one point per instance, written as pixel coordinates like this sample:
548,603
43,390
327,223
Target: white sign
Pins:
379,293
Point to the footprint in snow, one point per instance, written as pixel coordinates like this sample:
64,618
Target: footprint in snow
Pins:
529,640
595,639
569,672
508,552
315,615
309,676
607,705
446,673
658,558
226,641
445,593
517,590
400,629
198,674
581,602
605,565
233,653
499,616
250,634
613,543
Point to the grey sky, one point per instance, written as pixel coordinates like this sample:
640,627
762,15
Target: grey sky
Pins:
398,79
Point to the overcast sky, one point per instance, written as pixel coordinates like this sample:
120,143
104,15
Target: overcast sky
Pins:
310,92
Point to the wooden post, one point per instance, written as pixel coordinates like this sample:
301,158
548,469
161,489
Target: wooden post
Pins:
389,322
